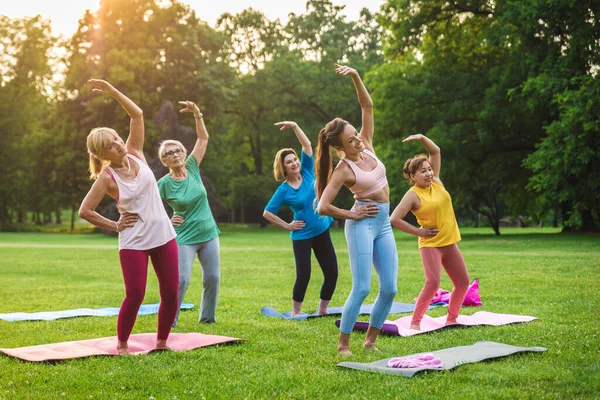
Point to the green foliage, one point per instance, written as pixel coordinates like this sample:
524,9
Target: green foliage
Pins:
484,81
24,154
507,89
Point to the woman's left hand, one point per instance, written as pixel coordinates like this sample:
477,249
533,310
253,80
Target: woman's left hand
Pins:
344,70
286,124
413,137
101,86
190,107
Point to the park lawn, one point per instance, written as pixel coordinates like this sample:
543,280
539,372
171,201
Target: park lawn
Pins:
555,277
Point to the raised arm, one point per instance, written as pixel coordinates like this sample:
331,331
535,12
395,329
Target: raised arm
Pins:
199,149
325,207
366,104
135,141
435,157
302,138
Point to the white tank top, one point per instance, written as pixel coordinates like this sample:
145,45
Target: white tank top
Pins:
140,196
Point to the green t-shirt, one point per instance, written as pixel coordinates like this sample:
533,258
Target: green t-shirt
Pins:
188,199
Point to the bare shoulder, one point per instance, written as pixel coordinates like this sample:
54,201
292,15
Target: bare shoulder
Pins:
106,184
343,172
412,200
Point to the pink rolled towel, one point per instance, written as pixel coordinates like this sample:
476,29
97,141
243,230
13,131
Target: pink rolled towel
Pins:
426,360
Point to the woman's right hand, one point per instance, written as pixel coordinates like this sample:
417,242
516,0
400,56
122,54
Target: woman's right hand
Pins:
177,220
365,211
286,124
127,220
295,225
428,232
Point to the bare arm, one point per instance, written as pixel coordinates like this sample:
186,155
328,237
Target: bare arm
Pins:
135,141
409,202
87,211
199,149
325,207
275,220
366,105
435,157
302,138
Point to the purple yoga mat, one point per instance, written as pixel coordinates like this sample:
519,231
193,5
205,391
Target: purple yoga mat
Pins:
401,326
141,343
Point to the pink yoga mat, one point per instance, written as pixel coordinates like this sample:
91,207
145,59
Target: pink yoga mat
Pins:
401,326
141,343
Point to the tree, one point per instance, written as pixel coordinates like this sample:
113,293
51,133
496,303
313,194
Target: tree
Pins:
24,45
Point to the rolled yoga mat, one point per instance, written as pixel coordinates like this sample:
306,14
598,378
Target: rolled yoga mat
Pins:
397,308
141,343
145,309
450,358
401,326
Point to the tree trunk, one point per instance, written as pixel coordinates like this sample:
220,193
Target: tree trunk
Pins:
242,212
4,218
58,217
72,217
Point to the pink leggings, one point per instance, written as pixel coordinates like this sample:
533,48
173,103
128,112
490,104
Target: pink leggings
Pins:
134,264
452,260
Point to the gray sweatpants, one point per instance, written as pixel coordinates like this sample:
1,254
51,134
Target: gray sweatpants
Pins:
209,257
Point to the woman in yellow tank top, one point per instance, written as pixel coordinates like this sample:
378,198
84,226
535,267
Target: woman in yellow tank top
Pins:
429,201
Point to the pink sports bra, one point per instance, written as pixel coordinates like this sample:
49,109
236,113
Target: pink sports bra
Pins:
367,182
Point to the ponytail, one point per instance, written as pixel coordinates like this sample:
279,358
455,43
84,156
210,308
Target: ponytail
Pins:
329,136
323,163
96,166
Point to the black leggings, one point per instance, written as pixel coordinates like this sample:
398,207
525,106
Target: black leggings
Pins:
327,259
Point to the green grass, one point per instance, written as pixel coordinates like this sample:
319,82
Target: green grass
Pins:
537,272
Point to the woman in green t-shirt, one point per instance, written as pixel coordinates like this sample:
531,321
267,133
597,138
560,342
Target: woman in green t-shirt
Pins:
197,231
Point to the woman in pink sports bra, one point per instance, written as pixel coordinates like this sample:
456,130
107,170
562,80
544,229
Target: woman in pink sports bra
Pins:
121,171
368,230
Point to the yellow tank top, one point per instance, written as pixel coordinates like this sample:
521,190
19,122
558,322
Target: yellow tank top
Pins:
436,211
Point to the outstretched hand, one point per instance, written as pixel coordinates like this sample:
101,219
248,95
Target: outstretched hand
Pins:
344,70
101,86
190,106
413,137
286,124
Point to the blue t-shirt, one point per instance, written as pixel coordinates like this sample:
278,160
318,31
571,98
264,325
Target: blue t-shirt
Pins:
301,202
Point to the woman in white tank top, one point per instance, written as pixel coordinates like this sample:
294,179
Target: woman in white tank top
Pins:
121,171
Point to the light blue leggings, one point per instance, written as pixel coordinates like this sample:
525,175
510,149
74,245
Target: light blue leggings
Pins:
208,254
371,242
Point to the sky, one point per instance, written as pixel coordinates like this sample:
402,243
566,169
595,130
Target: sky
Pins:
65,14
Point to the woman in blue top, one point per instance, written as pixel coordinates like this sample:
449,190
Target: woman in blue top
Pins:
308,230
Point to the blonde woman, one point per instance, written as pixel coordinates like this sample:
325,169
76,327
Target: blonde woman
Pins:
308,231
121,171
197,231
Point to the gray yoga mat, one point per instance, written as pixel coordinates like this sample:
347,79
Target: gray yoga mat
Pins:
451,358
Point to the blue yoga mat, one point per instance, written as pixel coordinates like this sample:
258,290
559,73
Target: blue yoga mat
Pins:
145,309
397,308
